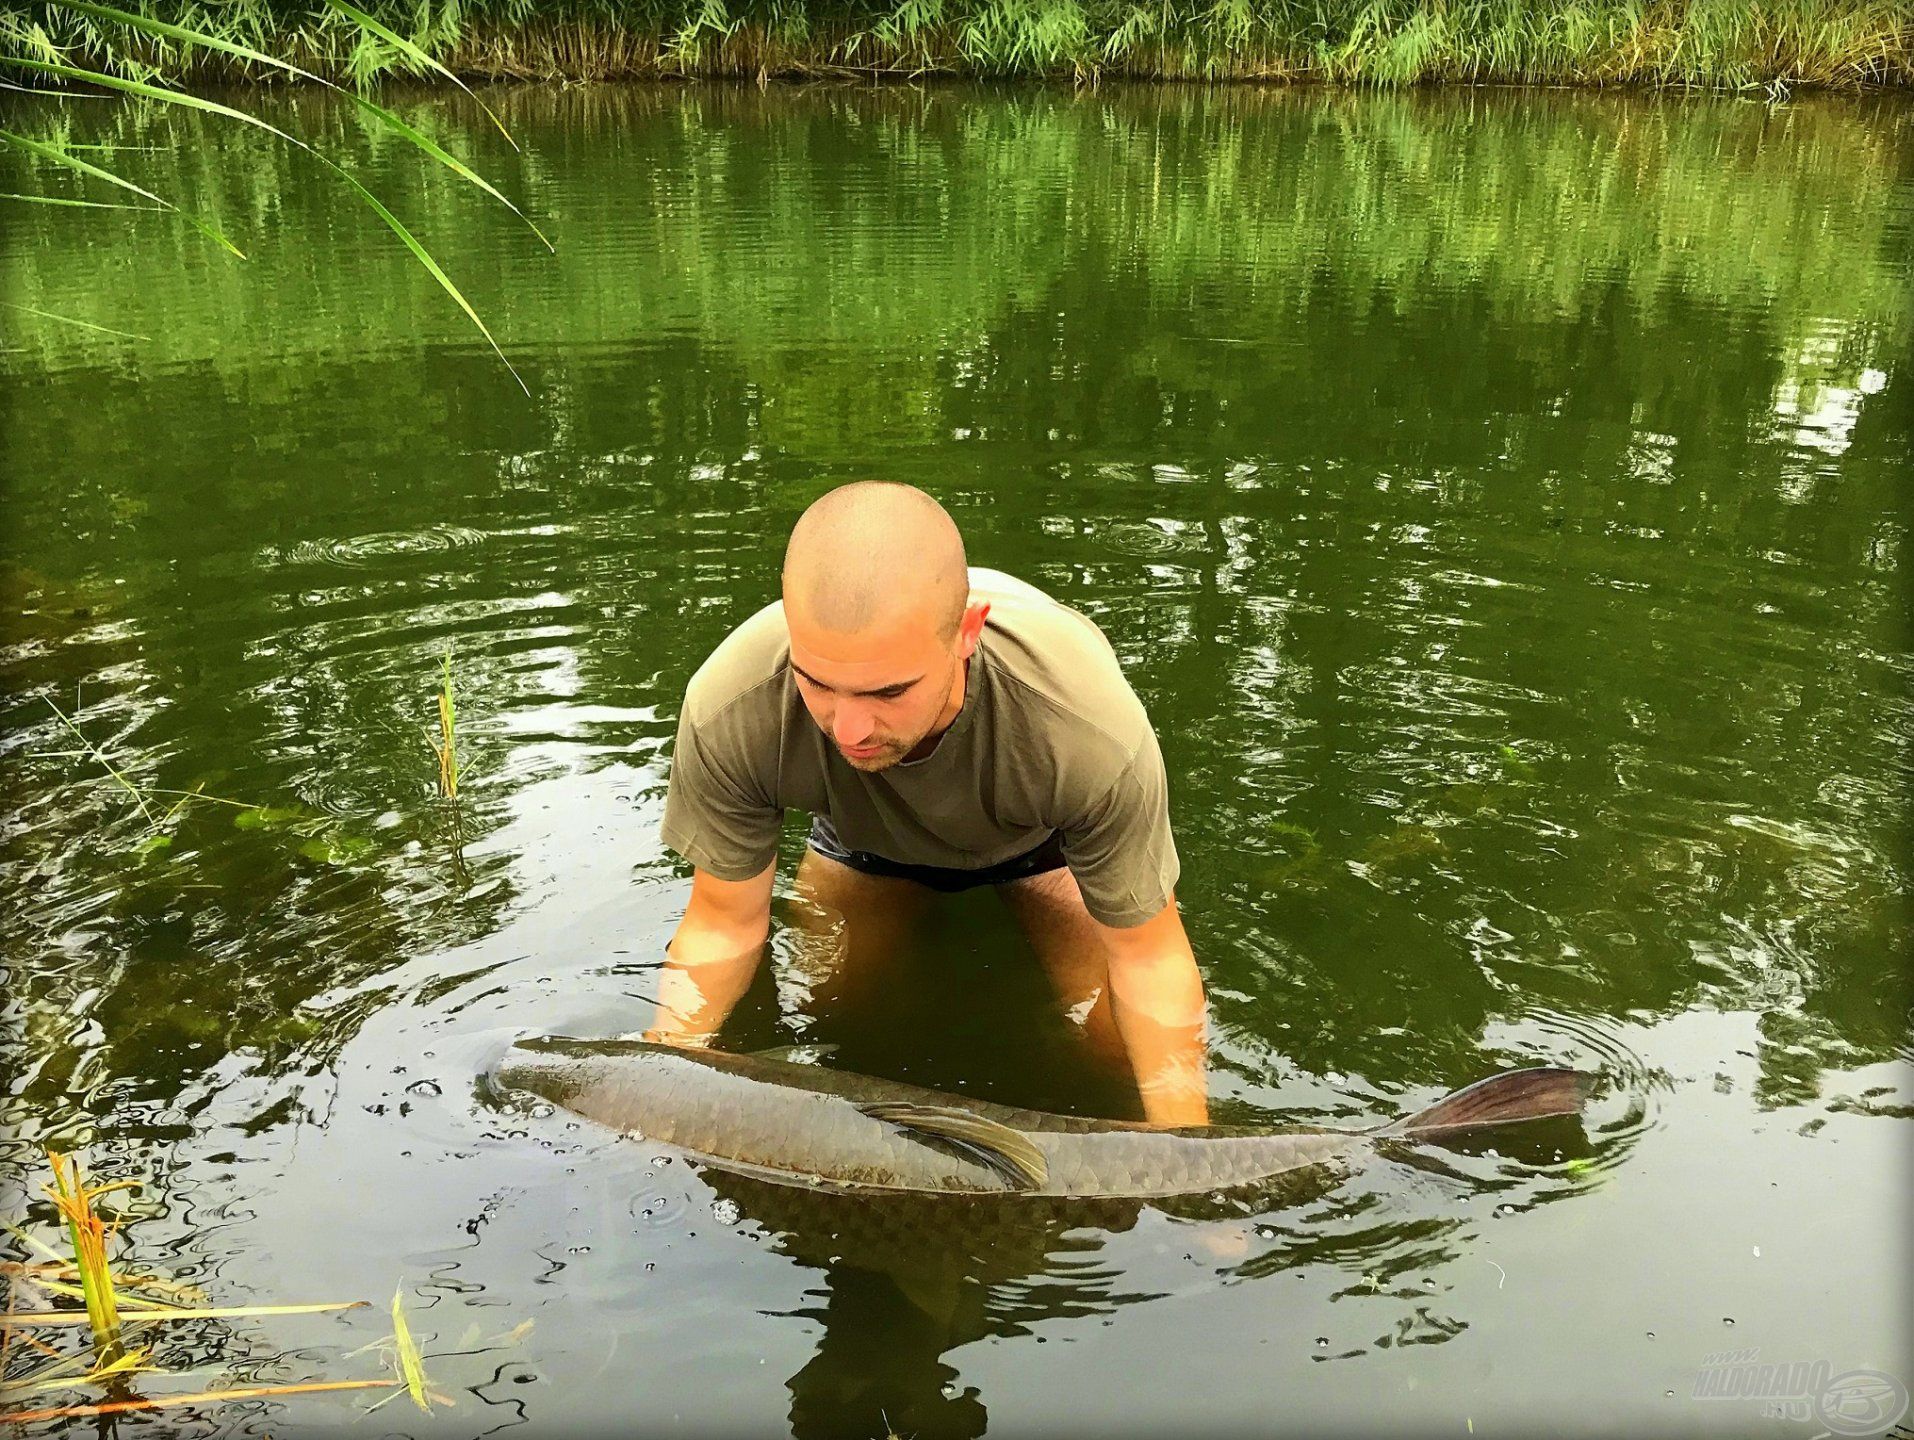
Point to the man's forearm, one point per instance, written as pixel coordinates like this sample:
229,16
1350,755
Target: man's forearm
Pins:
1156,994
711,960
696,994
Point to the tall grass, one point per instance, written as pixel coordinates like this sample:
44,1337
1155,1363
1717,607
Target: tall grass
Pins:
1737,44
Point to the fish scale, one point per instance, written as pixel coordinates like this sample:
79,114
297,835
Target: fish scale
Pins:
808,1125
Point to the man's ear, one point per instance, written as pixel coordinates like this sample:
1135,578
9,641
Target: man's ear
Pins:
971,630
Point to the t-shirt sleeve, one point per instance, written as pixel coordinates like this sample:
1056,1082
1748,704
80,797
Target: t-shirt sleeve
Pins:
1120,849
716,815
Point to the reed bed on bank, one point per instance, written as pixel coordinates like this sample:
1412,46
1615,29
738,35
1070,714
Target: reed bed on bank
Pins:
1732,44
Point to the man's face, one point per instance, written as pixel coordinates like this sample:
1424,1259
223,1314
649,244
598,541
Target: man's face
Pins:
879,693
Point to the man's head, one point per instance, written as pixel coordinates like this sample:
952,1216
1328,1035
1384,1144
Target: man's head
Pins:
878,603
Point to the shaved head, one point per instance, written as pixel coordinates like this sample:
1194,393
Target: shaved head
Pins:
874,555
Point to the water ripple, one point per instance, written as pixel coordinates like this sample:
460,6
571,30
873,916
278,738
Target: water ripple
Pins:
362,552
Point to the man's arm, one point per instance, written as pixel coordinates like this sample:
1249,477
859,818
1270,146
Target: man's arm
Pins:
1156,994
712,956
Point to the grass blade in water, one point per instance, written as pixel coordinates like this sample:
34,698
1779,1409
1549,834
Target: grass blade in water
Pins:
203,1397
411,1363
20,1318
60,157
68,319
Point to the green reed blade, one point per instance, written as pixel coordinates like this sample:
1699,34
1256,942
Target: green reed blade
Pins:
414,53
259,57
213,107
84,325
81,204
73,162
411,1364
187,37
447,159
87,1234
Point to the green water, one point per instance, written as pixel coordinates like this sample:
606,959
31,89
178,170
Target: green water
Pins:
1500,502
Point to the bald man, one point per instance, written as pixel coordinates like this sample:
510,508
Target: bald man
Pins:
945,728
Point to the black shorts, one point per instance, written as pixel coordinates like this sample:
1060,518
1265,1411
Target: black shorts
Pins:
1045,857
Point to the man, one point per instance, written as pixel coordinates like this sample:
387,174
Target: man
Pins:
946,728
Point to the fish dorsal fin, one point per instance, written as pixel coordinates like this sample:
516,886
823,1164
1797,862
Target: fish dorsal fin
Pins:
1012,1155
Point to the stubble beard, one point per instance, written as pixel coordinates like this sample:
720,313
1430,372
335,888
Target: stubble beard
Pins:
894,751
870,765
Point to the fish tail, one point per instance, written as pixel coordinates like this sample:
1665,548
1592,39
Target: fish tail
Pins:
1516,1095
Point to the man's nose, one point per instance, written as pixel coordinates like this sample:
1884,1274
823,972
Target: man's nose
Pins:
852,724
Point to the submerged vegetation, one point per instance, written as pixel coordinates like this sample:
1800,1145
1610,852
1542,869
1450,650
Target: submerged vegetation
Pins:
1714,43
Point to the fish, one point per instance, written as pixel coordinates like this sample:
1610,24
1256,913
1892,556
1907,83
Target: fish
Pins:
815,1127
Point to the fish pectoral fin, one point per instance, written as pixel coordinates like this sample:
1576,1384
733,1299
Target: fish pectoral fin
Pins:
1013,1155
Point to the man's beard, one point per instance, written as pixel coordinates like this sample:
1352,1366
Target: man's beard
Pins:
895,751
890,755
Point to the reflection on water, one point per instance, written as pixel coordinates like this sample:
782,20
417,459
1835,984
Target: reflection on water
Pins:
1497,500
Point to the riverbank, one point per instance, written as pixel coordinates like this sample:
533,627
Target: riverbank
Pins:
1776,45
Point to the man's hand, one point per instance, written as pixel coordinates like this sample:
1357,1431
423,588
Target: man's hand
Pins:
713,956
1156,994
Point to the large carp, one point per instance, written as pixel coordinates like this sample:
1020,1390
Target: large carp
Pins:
807,1125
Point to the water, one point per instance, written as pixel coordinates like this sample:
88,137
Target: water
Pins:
1499,501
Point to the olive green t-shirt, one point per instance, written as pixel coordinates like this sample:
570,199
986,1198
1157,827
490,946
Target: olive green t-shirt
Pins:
1050,739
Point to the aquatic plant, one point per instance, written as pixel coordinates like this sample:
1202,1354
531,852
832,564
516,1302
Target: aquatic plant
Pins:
446,746
88,1233
116,1299
1737,44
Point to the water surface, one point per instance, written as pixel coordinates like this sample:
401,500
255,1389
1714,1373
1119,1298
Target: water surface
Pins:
1498,500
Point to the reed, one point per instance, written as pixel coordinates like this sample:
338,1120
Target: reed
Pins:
115,1301
1732,44
88,1234
446,745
